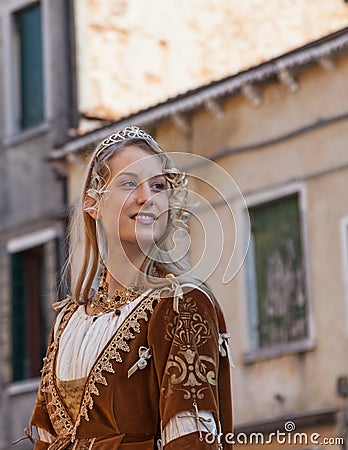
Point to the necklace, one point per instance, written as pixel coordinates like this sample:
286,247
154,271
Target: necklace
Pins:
120,297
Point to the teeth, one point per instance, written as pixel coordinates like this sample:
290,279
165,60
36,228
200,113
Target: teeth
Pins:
144,217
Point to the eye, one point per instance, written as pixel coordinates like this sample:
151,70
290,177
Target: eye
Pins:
129,184
159,186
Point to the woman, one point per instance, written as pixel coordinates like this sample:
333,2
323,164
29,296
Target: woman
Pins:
137,357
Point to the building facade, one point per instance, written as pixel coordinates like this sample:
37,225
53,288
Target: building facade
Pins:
280,131
35,105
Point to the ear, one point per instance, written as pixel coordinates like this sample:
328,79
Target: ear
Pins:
89,206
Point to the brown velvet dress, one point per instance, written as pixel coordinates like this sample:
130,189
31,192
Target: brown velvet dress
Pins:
187,371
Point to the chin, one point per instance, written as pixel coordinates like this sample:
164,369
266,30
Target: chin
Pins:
145,240
150,236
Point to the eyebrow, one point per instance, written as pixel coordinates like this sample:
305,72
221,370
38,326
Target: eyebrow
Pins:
133,174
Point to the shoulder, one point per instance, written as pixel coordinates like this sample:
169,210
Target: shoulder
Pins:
198,292
197,298
190,301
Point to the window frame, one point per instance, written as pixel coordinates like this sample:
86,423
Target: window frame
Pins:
28,328
24,243
344,246
13,131
254,353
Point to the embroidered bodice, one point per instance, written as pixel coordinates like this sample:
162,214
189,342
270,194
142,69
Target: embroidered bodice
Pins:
90,359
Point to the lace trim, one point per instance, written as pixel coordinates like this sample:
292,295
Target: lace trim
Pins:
63,424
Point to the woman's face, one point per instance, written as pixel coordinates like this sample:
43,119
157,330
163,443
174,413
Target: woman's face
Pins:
135,210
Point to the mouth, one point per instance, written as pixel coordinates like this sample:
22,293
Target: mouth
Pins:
144,218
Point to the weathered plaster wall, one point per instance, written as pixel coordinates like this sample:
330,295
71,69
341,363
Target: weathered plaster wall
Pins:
132,54
317,161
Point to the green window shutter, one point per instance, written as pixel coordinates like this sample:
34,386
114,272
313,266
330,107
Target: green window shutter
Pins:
31,66
29,338
19,323
279,271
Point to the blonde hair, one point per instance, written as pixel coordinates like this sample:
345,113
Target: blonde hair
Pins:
83,228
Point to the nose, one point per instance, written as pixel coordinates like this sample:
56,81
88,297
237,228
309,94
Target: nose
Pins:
143,194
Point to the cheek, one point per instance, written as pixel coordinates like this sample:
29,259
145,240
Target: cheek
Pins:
164,203
121,206
114,215
163,220
164,208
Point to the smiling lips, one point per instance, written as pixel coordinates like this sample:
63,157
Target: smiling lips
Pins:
144,218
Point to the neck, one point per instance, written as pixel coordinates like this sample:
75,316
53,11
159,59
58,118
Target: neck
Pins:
123,267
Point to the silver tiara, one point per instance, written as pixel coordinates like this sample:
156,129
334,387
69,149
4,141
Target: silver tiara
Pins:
131,132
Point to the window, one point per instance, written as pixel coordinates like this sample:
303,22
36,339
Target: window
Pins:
30,66
34,260
276,274
28,321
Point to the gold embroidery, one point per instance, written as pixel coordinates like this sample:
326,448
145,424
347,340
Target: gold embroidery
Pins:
63,423
82,444
187,370
71,393
192,330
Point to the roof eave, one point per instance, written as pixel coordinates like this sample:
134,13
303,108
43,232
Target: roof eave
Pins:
196,98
